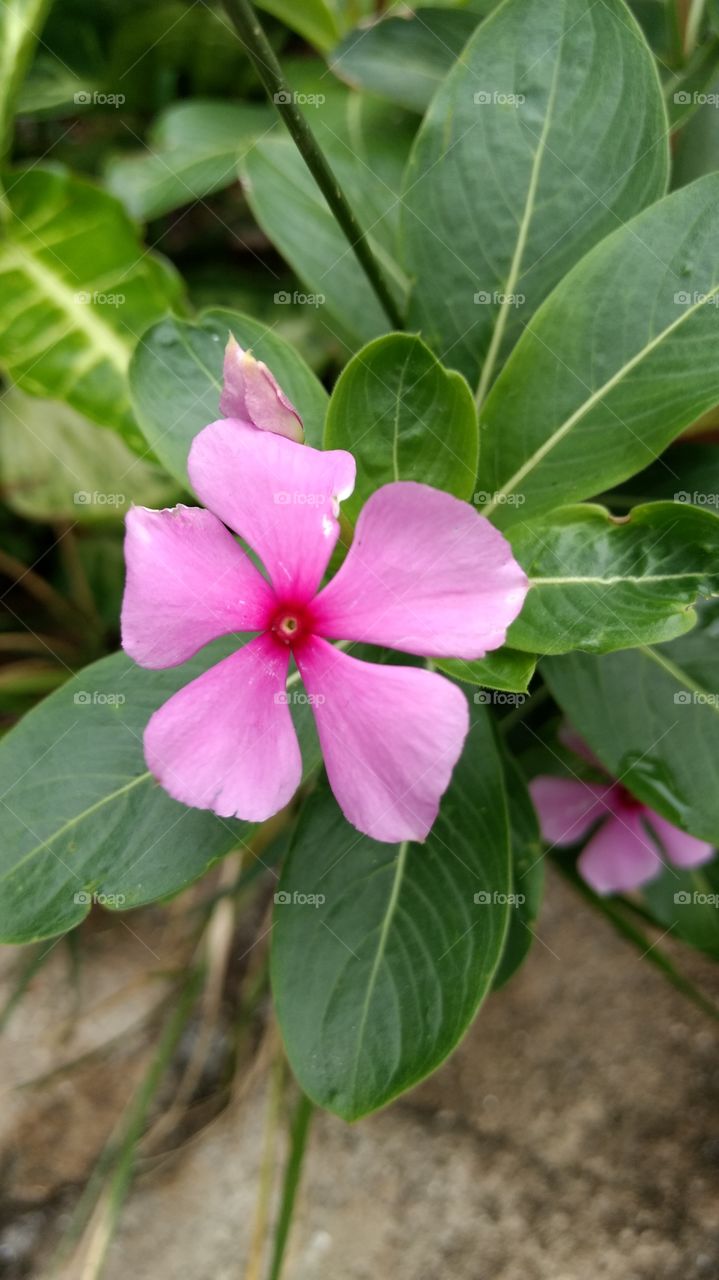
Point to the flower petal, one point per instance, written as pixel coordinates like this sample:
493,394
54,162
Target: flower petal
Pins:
425,573
621,856
187,582
226,741
567,807
252,394
281,496
390,738
681,849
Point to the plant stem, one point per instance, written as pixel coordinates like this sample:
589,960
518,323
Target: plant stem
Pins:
262,57
694,21
298,1144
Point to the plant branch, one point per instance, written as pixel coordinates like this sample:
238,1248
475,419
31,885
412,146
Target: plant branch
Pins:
262,57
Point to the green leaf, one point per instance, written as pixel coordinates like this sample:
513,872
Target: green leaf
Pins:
505,669
687,902
176,379
55,465
381,954
81,813
619,360
194,148
696,147
687,471
312,19
548,132
651,715
368,157
20,24
404,59
527,874
404,417
600,584
78,290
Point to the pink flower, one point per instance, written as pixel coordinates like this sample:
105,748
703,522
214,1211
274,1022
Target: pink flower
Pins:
629,845
252,394
426,574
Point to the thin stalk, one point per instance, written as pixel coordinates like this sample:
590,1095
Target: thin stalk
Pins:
263,59
298,1145
648,950
694,21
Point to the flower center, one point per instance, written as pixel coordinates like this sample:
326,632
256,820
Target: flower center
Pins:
291,624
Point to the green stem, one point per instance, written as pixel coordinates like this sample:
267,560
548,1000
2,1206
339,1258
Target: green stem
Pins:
694,21
298,1145
649,950
262,57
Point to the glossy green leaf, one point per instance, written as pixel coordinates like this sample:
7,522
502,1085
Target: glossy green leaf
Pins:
20,25
527,874
619,360
505,669
651,715
176,379
600,584
55,465
381,954
548,132
194,148
78,290
404,417
368,157
404,59
81,814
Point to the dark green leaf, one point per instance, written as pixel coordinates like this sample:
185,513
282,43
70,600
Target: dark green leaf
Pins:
527,874
504,669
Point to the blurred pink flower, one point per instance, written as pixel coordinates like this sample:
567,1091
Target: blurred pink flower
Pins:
630,844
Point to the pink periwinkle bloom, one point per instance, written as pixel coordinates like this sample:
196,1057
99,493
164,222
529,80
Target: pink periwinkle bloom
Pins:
632,843
425,574
252,394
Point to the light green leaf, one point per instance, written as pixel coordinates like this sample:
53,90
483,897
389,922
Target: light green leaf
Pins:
20,26
651,715
315,20
404,59
548,132
404,417
176,379
619,360
55,465
600,584
81,815
78,290
378,976
505,669
193,149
